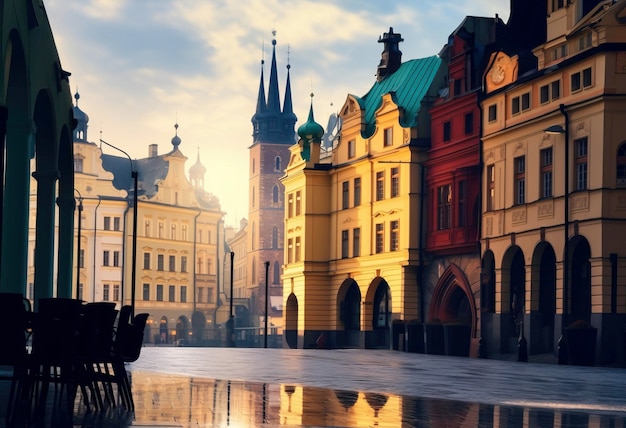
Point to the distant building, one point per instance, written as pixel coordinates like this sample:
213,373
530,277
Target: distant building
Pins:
179,230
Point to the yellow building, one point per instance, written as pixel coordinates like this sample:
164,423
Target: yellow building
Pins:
554,153
179,230
352,223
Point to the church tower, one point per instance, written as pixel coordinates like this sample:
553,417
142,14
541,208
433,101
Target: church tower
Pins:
273,134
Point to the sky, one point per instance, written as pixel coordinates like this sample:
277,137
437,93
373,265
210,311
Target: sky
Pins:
141,66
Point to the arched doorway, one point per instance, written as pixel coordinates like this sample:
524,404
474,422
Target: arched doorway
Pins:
513,298
452,299
543,285
580,280
163,336
380,296
291,322
349,302
182,331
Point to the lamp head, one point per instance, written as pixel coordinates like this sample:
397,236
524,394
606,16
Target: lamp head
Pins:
554,130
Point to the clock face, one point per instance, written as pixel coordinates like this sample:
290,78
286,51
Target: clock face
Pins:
497,74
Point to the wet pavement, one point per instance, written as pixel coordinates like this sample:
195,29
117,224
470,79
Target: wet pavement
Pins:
242,387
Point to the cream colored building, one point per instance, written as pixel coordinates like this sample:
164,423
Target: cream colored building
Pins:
179,237
554,153
352,222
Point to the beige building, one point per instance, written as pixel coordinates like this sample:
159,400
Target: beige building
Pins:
554,153
352,223
179,230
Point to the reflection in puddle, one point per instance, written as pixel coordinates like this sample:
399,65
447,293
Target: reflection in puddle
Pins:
192,402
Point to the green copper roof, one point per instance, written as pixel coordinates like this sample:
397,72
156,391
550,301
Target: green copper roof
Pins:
410,83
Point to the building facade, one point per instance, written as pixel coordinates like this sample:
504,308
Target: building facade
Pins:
177,241
553,212
352,221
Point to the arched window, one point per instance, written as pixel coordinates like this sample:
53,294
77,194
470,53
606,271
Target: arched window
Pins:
253,270
621,165
275,237
277,163
275,194
276,273
253,236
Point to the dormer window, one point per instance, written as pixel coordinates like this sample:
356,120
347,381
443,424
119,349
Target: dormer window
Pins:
78,164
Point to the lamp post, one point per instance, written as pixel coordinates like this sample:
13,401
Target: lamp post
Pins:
557,130
267,271
133,270
80,217
230,324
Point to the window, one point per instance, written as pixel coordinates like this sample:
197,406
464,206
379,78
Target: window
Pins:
184,232
581,79
395,182
520,103
275,194
446,131
159,292
444,199
116,258
160,262
492,113
559,52
351,149
160,230
297,249
275,237
388,137
394,236
146,292
581,163
469,123
345,195
116,292
107,223
173,232
557,4
462,203
80,291
78,164
380,238
200,294
457,86
584,42
550,92
146,260
298,203
105,257
172,293
116,223
276,273
81,259
621,165
356,242
344,244
289,250
106,289
183,293
277,163
546,172
146,226
357,191
172,263
200,265
380,186
290,205
520,180
491,187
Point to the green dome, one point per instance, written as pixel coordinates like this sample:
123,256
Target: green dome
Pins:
311,131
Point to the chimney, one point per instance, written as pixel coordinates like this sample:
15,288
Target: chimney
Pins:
391,58
153,150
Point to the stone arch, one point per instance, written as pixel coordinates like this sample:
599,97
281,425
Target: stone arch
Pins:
163,331
378,298
182,330
513,297
349,313
452,299
542,291
291,321
579,280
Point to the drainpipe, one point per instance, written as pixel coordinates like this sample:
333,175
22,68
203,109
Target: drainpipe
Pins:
420,274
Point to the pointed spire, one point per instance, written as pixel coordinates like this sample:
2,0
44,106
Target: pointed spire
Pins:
288,104
273,97
261,106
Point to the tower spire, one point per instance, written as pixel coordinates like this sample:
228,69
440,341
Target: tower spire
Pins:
288,113
273,97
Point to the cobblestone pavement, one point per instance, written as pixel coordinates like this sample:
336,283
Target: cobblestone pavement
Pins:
243,387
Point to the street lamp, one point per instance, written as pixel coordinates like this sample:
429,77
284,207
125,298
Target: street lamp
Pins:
133,269
80,217
557,130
